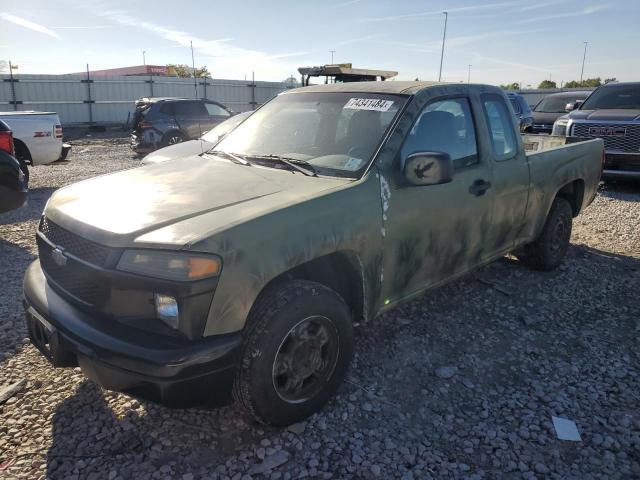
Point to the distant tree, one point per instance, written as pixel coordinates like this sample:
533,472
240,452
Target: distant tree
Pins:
547,84
589,82
185,71
609,80
511,86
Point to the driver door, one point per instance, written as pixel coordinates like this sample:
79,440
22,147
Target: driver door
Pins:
434,232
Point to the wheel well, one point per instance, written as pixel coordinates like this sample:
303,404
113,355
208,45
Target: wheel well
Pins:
573,192
337,271
22,150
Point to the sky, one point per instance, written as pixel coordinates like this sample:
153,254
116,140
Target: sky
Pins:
520,41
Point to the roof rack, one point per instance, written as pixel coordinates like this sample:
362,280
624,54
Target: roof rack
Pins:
344,72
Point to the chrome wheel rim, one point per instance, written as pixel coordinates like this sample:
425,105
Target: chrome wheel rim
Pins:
174,140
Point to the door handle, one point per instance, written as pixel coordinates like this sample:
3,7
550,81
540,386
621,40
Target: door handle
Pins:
479,187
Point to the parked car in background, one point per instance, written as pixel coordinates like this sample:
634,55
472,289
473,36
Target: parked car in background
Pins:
611,112
37,136
553,106
193,147
13,181
244,269
159,122
522,110
7,145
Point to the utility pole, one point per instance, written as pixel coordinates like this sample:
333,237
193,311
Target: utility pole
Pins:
332,52
584,56
144,59
469,75
193,65
444,36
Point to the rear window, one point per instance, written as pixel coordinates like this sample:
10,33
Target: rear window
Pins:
189,108
515,104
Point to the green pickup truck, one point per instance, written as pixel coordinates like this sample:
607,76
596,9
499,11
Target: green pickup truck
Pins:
239,271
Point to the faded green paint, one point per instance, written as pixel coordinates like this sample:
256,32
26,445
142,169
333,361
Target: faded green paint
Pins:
401,239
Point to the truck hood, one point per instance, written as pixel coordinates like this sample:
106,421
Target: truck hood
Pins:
117,208
617,115
545,117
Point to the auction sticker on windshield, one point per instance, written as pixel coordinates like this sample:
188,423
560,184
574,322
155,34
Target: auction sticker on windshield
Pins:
376,104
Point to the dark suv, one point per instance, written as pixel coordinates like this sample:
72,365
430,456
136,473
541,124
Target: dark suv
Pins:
522,110
158,122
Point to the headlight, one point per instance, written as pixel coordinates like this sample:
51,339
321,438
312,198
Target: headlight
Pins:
170,265
560,128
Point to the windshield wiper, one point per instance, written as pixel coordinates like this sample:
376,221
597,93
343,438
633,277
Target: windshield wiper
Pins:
296,164
234,157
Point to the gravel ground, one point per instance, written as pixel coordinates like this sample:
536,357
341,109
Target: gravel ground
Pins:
461,383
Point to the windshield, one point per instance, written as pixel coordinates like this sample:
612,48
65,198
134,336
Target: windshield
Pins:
337,133
215,134
610,97
558,104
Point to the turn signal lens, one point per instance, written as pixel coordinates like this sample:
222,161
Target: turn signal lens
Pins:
203,267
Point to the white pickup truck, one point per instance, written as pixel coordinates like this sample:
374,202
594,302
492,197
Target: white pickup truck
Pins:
37,136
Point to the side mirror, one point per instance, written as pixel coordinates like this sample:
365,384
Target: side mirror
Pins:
428,168
573,106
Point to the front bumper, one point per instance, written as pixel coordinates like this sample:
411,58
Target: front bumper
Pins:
176,372
64,153
621,165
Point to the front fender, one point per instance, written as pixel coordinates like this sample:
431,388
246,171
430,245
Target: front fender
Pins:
347,220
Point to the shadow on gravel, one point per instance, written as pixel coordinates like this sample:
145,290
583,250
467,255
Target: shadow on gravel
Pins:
90,436
86,433
623,190
32,210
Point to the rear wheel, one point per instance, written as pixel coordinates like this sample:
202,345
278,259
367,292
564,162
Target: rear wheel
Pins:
173,138
296,352
549,249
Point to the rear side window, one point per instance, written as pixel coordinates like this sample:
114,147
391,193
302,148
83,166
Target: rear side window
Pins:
500,123
214,110
166,108
189,109
515,105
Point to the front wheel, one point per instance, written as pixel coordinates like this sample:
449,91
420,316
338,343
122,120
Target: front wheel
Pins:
549,249
296,352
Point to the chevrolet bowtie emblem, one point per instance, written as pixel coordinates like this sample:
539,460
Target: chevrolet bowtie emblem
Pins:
58,257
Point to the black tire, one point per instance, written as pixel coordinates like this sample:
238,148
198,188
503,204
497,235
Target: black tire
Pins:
276,325
172,138
549,249
22,152
25,170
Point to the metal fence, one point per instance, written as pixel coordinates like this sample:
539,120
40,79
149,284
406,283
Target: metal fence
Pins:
83,99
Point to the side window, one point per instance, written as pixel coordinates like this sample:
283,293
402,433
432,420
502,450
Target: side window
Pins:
214,110
500,122
445,126
166,108
189,109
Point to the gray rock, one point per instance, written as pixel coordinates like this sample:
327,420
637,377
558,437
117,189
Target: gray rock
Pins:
446,372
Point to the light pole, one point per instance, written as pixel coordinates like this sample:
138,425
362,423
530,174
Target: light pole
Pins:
144,59
444,36
469,75
332,52
584,56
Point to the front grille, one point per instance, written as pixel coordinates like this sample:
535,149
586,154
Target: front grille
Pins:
80,247
629,142
73,277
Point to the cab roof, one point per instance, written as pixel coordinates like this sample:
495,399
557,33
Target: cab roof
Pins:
393,87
